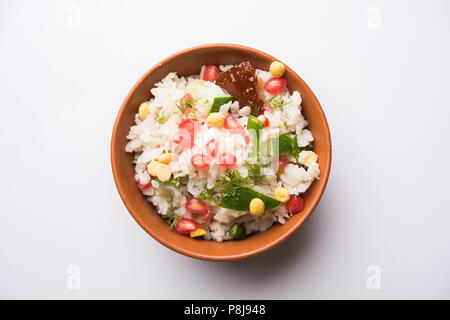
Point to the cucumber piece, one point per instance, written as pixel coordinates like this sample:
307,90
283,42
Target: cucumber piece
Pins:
237,231
218,102
254,127
236,197
285,143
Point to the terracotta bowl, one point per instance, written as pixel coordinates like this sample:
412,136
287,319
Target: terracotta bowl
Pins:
189,62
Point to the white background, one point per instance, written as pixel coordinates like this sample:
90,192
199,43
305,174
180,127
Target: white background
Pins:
381,71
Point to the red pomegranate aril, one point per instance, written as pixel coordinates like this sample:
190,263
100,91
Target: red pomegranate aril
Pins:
186,133
201,220
227,160
186,139
232,125
197,206
211,148
185,226
211,73
200,161
275,85
177,139
282,163
191,125
248,138
186,102
265,122
144,186
295,204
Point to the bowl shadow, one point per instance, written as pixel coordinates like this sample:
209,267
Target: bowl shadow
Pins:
297,247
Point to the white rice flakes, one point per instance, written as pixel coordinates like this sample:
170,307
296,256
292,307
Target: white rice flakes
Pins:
149,138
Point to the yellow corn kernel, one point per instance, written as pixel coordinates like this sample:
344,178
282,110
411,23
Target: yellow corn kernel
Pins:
281,194
144,109
277,69
216,119
152,167
310,158
257,207
163,172
165,158
197,233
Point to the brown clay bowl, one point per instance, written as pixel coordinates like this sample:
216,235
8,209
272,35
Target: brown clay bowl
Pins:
189,62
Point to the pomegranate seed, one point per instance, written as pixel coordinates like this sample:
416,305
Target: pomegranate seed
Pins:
227,160
196,206
144,186
295,204
265,122
186,133
232,125
211,73
211,148
282,163
186,102
203,218
191,125
275,85
185,226
200,161
177,139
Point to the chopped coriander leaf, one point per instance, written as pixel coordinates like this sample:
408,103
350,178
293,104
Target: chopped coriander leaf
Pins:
254,171
172,218
198,218
161,118
277,104
172,181
189,106
256,109
207,194
235,177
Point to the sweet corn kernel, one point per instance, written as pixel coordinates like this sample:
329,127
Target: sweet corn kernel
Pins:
277,69
165,158
310,158
197,233
216,119
152,167
163,172
281,194
144,109
257,207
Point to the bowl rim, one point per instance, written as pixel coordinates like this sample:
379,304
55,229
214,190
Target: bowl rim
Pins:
325,172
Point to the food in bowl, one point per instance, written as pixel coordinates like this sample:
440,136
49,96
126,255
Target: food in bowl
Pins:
225,153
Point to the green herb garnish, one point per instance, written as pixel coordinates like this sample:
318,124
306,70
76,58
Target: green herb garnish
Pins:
256,109
198,218
172,218
172,181
161,118
277,104
188,105
254,171
207,194
233,177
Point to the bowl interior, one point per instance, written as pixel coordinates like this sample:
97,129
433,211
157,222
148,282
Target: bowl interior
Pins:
186,63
